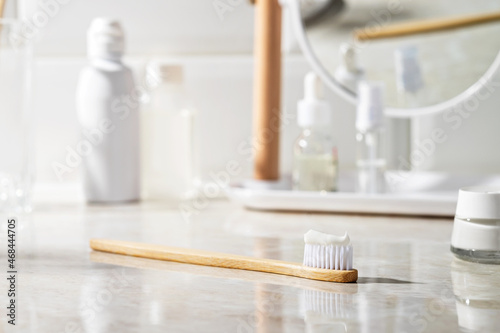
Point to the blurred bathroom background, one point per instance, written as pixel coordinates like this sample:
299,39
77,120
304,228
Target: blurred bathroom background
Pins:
214,45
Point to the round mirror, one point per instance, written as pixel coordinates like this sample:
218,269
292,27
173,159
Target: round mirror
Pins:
426,52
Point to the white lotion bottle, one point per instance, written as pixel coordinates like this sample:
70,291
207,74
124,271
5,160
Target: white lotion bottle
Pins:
108,112
371,163
315,162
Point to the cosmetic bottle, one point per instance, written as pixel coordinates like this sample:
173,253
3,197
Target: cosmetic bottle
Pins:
108,112
169,142
315,156
371,163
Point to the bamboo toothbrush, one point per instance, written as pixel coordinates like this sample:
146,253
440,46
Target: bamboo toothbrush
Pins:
326,257
425,26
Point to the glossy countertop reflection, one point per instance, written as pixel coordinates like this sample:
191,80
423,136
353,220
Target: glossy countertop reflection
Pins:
408,279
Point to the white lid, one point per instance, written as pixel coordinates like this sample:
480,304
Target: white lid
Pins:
313,110
348,73
370,110
105,39
478,203
408,73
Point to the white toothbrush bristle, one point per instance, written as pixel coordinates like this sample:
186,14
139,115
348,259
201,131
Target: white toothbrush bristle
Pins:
337,257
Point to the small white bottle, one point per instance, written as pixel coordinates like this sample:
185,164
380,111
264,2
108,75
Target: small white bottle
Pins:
315,156
169,148
371,163
108,111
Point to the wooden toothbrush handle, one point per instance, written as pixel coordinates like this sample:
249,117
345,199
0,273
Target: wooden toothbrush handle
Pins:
425,26
215,259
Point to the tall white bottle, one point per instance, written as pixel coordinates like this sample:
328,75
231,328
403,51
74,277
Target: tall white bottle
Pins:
108,111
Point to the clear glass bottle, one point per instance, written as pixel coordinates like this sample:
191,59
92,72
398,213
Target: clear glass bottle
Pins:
315,162
168,142
371,163
315,166
17,167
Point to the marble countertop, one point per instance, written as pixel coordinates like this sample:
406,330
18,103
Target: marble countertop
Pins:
408,279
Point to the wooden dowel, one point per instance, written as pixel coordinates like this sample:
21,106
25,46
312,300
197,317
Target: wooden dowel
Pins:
426,26
267,90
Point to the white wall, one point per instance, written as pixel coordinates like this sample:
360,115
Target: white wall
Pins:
471,135
218,63
221,88
152,26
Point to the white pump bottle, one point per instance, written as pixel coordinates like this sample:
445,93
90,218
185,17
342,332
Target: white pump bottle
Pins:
108,113
371,163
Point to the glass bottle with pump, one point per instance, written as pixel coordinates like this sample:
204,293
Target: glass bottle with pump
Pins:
315,155
371,163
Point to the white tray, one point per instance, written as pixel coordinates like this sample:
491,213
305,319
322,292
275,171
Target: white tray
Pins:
423,194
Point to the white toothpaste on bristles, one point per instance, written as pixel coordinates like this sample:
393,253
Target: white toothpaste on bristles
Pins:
327,251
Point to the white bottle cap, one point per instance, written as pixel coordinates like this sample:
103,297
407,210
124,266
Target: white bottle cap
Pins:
348,73
105,39
478,203
408,73
313,110
370,110
476,225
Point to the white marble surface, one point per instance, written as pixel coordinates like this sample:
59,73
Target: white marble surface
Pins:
408,279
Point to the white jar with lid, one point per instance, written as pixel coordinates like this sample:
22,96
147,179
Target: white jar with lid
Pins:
476,230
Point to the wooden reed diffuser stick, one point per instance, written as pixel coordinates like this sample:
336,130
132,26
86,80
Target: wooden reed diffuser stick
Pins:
206,258
267,89
426,26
